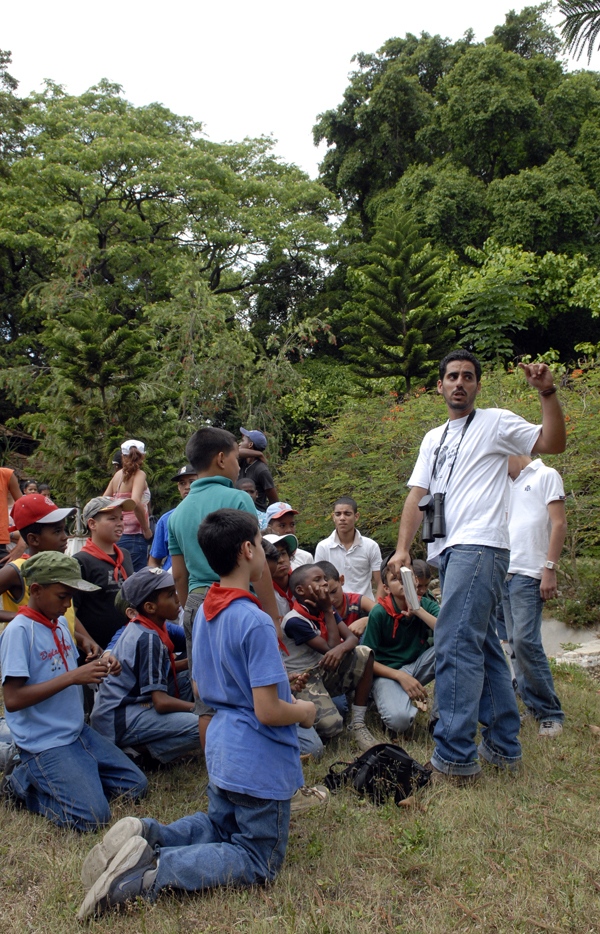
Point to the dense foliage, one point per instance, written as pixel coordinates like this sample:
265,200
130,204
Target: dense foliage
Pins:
152,281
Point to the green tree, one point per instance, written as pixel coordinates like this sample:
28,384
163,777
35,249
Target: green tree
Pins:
527,33
581,25
393,325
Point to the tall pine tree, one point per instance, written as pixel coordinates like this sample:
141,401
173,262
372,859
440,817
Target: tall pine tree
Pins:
394,326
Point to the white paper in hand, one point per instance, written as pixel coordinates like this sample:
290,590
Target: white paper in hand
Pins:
410,591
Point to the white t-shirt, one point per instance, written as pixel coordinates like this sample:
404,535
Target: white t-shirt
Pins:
475,498
356,564
529,525
299,558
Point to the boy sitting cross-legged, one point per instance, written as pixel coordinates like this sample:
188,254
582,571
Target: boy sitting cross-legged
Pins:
66,771
150,704
401,637
317,640
252,753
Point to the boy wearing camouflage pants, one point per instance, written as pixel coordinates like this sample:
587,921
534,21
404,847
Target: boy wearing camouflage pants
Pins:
317,640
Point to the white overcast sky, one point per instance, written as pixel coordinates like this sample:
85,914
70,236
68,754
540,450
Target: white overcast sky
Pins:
242,69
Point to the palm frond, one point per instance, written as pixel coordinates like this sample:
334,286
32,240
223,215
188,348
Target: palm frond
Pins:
581,25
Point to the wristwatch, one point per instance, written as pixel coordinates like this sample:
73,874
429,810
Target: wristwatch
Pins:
551,565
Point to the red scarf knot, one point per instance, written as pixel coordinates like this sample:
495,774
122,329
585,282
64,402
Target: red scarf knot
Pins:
164,638
301,610
51,624
91,549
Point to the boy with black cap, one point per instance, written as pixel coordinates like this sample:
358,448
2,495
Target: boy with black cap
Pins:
65,770
159,553
105,564
149,705
254,466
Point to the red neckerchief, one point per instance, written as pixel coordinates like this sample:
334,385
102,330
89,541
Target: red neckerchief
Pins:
51,624
219,598
287,594
301,610
390,608
96,552
164,638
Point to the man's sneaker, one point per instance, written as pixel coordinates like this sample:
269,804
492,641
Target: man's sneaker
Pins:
130,875
363,737
459,780
551,728
306,798
100,857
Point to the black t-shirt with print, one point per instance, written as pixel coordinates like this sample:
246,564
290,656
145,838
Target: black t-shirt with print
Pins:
260,473
97,610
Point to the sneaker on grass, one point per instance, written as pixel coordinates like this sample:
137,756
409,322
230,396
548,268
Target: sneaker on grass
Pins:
130,875
100,857
306,798
550,728
363,737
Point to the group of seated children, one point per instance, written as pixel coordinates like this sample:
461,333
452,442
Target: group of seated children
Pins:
327,642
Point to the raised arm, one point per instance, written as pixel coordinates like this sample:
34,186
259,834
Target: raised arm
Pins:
553,436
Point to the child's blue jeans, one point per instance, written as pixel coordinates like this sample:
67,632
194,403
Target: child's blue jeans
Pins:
241,841
71,785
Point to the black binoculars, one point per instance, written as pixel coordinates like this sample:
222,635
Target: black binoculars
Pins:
434,520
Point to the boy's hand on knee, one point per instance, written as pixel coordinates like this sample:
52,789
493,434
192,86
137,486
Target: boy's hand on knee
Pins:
332,658
359,626
413,688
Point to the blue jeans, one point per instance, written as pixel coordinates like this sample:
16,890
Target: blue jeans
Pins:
393,703
71,785
241,841
523,607
137,546
473,682
167,735
310,742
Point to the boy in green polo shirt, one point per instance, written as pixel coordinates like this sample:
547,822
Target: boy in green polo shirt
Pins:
213,453
401,637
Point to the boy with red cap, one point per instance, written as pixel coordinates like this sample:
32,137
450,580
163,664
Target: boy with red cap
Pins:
281,520
42,528
64,770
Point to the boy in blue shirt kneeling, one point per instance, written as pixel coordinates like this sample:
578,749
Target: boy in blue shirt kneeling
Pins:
67,771
252,751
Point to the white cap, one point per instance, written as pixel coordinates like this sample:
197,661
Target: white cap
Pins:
128,445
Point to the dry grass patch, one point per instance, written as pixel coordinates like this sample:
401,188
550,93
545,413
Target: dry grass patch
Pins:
513,855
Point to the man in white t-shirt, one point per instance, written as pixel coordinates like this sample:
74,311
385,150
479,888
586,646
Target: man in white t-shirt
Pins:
537,526
466,462
354,555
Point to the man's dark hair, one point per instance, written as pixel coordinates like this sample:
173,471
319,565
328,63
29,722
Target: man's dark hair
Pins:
460,355
205,444
346,501
421,569
329,570
245,481
298,576
270,550
223,532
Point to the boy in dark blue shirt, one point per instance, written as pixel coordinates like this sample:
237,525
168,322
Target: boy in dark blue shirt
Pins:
243,838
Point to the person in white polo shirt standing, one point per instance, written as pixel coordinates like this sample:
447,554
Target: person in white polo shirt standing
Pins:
537,526
356,557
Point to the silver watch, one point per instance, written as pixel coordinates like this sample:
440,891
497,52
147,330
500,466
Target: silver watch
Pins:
551,565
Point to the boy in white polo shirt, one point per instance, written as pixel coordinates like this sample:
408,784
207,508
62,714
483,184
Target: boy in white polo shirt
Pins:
537,527
356,557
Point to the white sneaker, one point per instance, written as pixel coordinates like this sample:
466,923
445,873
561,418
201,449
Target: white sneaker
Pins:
363,737
100,857
306,798
551,728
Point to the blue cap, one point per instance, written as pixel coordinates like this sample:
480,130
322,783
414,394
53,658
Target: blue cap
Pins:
256,437
137,588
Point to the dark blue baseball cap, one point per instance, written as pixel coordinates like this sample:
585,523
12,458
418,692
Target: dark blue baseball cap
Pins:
137,588
256,437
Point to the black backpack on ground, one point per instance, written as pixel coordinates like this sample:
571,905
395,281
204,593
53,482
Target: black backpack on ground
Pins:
382,771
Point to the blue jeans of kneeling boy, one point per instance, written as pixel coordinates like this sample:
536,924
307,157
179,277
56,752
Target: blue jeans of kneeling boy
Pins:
523,607
71,785
240,841
393,703
473,682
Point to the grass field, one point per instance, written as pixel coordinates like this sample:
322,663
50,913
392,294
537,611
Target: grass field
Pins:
511,854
